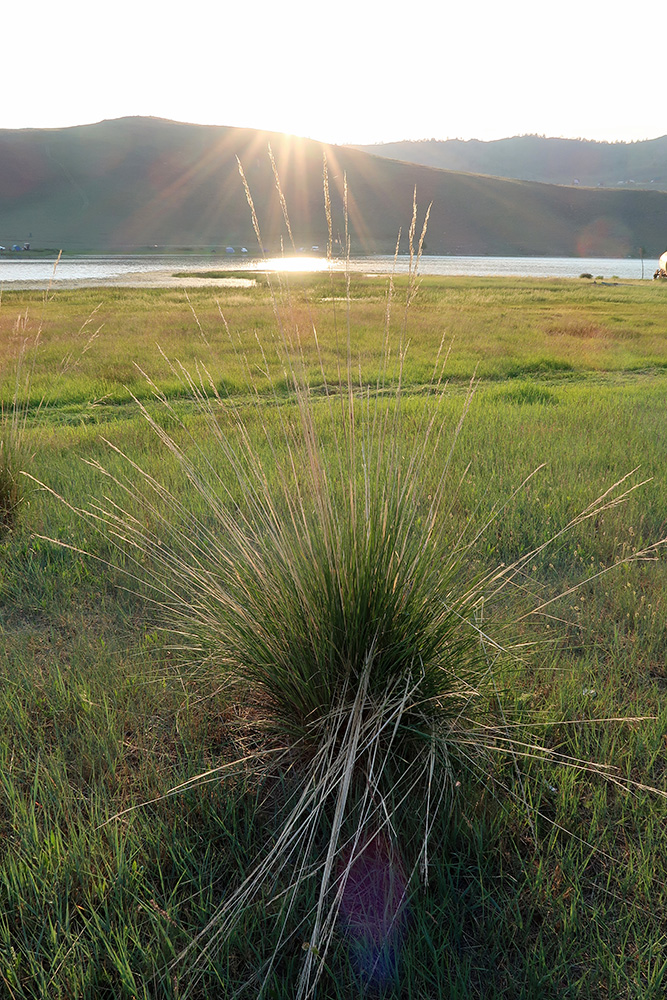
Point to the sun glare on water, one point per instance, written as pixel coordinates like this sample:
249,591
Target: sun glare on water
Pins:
309,264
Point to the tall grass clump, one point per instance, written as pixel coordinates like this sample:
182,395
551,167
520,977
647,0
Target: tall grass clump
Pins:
323,586
316,570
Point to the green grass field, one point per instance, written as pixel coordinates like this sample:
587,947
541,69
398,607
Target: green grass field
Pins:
545,881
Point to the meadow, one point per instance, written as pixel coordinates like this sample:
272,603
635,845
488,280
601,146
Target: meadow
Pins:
546,877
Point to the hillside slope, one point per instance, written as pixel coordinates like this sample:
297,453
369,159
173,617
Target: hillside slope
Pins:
136,183
537,158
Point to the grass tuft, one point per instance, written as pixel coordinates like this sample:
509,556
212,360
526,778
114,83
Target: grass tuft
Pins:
317,572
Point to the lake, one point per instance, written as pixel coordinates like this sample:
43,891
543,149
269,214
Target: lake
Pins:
101,268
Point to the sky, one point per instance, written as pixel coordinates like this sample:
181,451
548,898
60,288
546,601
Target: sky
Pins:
357,72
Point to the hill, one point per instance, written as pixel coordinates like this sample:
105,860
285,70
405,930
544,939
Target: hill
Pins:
136,183
537,158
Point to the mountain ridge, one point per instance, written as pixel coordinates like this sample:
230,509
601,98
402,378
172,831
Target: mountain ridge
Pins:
548,160
136,183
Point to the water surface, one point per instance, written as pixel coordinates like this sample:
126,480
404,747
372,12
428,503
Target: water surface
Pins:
113,268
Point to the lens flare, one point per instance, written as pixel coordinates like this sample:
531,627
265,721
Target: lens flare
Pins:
373,908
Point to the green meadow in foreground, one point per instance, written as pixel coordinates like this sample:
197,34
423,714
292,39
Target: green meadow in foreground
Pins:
462,792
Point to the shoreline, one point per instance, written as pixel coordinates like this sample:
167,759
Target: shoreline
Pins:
135,279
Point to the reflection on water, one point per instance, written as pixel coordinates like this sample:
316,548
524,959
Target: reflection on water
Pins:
100,269
293,264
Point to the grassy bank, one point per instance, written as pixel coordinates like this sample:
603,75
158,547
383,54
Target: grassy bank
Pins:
546,880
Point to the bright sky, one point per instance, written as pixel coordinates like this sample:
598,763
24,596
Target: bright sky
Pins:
362,71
